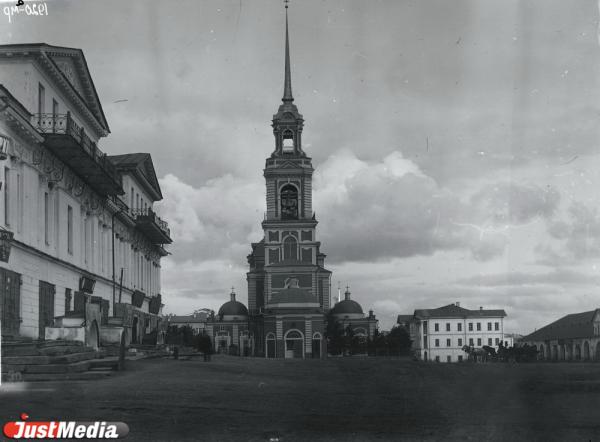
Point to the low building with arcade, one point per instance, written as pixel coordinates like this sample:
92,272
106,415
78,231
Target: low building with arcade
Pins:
574,337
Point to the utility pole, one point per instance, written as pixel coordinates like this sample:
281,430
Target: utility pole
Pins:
122,208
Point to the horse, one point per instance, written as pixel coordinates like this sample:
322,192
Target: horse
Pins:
490,351
476,353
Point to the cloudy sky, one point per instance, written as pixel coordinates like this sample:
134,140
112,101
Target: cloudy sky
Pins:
456,144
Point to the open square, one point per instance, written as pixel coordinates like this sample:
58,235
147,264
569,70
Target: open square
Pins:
338,399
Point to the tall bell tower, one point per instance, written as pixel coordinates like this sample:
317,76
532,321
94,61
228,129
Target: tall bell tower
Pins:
289,250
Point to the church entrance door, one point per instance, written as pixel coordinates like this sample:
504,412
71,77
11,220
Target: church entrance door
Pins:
294,344
316,345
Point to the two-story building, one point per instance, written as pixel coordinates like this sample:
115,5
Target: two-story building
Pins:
440,334
196,321
83,227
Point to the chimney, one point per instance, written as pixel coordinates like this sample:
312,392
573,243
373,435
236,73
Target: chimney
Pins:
458,304
371,314
480,309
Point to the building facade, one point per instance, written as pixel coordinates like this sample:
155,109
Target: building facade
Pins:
574,337
84,230
440,334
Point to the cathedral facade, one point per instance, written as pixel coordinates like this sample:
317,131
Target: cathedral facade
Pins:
289,288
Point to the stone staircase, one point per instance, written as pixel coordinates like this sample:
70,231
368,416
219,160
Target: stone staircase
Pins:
53,360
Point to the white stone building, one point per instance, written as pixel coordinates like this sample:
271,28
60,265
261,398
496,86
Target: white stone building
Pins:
439,334
196,321
80,219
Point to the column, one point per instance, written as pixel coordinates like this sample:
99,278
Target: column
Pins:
308,337
279,344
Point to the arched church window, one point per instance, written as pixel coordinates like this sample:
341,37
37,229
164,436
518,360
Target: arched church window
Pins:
290,248
293,334
289,202
288,141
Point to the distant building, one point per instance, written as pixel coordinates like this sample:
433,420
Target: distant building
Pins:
573,337
349,313
512,339
230,329
86,244
440,334
196,321
404,321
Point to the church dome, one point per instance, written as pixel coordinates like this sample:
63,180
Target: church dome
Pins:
347,307
233,308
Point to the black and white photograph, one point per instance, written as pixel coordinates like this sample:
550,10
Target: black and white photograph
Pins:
300,220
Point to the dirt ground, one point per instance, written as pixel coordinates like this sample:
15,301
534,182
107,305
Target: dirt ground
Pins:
339,399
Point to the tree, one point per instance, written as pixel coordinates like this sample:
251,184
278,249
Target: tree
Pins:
203,344
378,343
335,336
398,341
348,340
180,335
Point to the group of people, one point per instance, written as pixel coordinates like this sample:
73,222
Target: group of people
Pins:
524,353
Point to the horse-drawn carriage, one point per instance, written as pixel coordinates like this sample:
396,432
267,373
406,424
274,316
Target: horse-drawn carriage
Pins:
524,353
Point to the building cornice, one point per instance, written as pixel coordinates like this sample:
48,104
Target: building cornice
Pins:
41,54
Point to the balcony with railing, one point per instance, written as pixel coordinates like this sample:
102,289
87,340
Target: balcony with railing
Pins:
152,226
273,217
69,142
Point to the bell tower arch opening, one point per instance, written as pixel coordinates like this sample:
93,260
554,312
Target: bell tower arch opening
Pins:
289,202
287,141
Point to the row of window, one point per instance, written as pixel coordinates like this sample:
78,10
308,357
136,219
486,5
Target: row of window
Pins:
138,203
459,342
95,241
436,326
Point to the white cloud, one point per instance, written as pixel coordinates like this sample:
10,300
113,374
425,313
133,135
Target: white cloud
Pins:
215,217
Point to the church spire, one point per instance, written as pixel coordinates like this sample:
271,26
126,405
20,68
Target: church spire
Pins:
288,122
287,83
